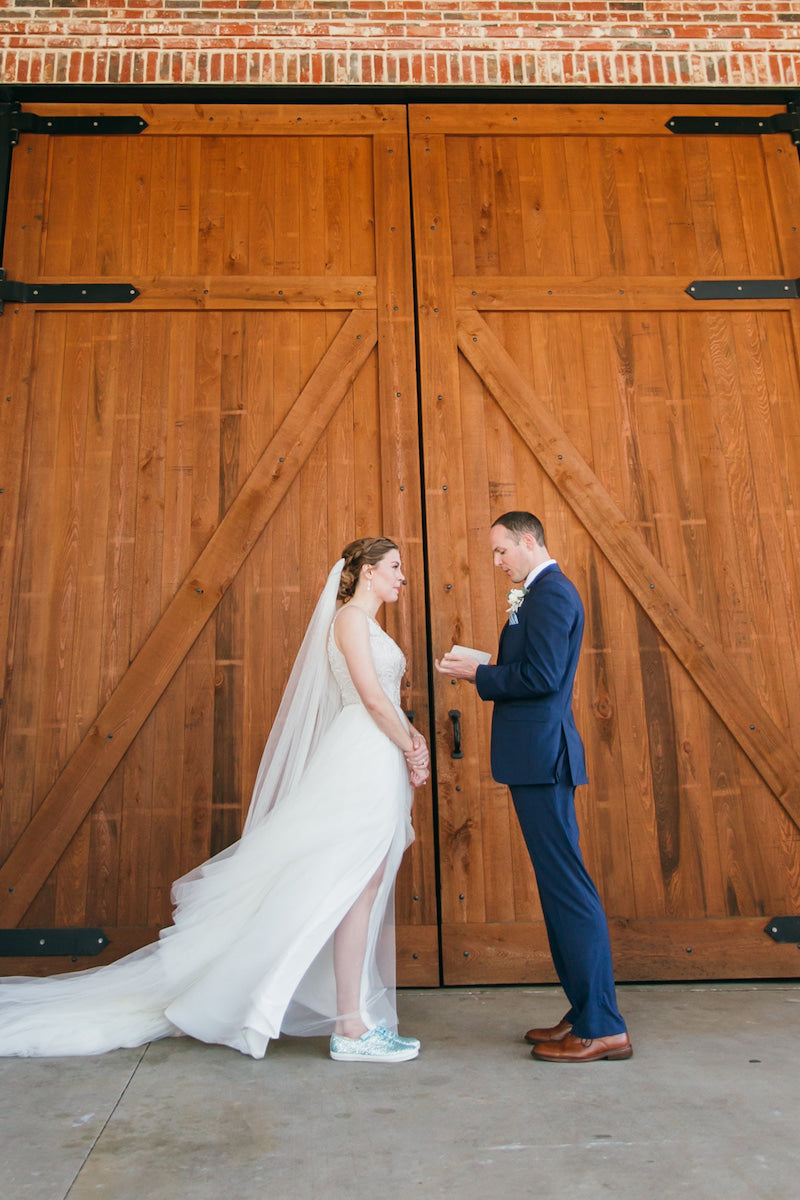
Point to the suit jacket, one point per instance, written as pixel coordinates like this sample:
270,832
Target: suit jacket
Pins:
531,687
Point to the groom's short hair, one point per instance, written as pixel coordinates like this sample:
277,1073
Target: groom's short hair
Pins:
518,523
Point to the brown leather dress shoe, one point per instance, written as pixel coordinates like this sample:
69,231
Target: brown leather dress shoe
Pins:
579,1050
556,1034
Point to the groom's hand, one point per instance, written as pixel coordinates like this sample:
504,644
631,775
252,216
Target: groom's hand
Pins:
460,666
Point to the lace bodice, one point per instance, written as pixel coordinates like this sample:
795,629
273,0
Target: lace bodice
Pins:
389,660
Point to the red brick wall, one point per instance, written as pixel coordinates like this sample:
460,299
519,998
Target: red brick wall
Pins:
547,42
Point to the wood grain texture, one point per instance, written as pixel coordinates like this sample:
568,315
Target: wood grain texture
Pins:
250,253
624,293
568,235
566,120
707,663
726,948
173,293
400,490
115,727
245,121
449,572
664,436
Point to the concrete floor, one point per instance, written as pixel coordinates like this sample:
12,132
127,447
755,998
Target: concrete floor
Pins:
709,1107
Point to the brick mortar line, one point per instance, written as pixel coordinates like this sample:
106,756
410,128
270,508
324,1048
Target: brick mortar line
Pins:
384,46
230,66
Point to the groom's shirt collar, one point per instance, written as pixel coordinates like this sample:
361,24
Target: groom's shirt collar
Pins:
536,572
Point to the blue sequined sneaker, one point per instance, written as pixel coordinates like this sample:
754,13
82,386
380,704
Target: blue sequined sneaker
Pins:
395,1037
376,1045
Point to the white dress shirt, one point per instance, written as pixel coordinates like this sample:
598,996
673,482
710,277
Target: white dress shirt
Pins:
550,562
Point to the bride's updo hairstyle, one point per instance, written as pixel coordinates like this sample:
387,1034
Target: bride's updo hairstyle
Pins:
364,552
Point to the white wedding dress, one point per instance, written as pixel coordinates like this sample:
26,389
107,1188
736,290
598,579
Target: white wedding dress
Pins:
250,952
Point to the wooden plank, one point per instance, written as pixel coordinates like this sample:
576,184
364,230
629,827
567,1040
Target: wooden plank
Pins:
569,120
20,712
146,597
189,185
108,816
117,724
622,293
461,855
688,636
556,353
782,172
484,215
486,236
724,948
169,714
263,181
243,120
497,481
135,206
227,788
93,516
417,955
169,755
236,208
138,771
211,210
102,879
54,743
491,814
339,189
262,345
198,759
399,497
16,353
286,212
638,414
161,187
62,195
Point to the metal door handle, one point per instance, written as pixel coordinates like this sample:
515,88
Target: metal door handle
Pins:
455,717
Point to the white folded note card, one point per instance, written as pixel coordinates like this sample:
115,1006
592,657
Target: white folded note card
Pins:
483,656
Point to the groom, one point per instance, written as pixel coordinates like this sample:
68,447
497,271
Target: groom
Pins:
537,751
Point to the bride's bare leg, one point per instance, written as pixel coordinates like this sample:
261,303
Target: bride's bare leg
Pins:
349,948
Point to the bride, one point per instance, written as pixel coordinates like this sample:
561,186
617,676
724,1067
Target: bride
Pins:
291,929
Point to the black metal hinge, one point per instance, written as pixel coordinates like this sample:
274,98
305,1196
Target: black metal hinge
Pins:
22,943
744,289
14,292
14,122
784,929
19,122
788,122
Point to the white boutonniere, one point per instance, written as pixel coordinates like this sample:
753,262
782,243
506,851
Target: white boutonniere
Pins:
515,598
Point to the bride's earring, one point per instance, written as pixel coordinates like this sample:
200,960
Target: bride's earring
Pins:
369,585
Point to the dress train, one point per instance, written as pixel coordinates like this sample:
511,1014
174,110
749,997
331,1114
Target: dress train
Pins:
250,952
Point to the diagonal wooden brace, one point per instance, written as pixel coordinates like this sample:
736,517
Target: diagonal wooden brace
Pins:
91,765
687,635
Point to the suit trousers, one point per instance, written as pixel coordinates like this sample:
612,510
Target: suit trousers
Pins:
576,925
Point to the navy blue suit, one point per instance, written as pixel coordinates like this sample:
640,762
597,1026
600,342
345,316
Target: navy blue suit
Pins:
537,751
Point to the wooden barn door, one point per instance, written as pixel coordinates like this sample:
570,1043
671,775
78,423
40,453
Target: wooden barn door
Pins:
180,467
566,368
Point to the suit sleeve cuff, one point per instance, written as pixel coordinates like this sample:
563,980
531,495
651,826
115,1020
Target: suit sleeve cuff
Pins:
482,676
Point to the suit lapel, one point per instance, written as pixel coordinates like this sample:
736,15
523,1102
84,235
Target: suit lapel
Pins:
521,611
